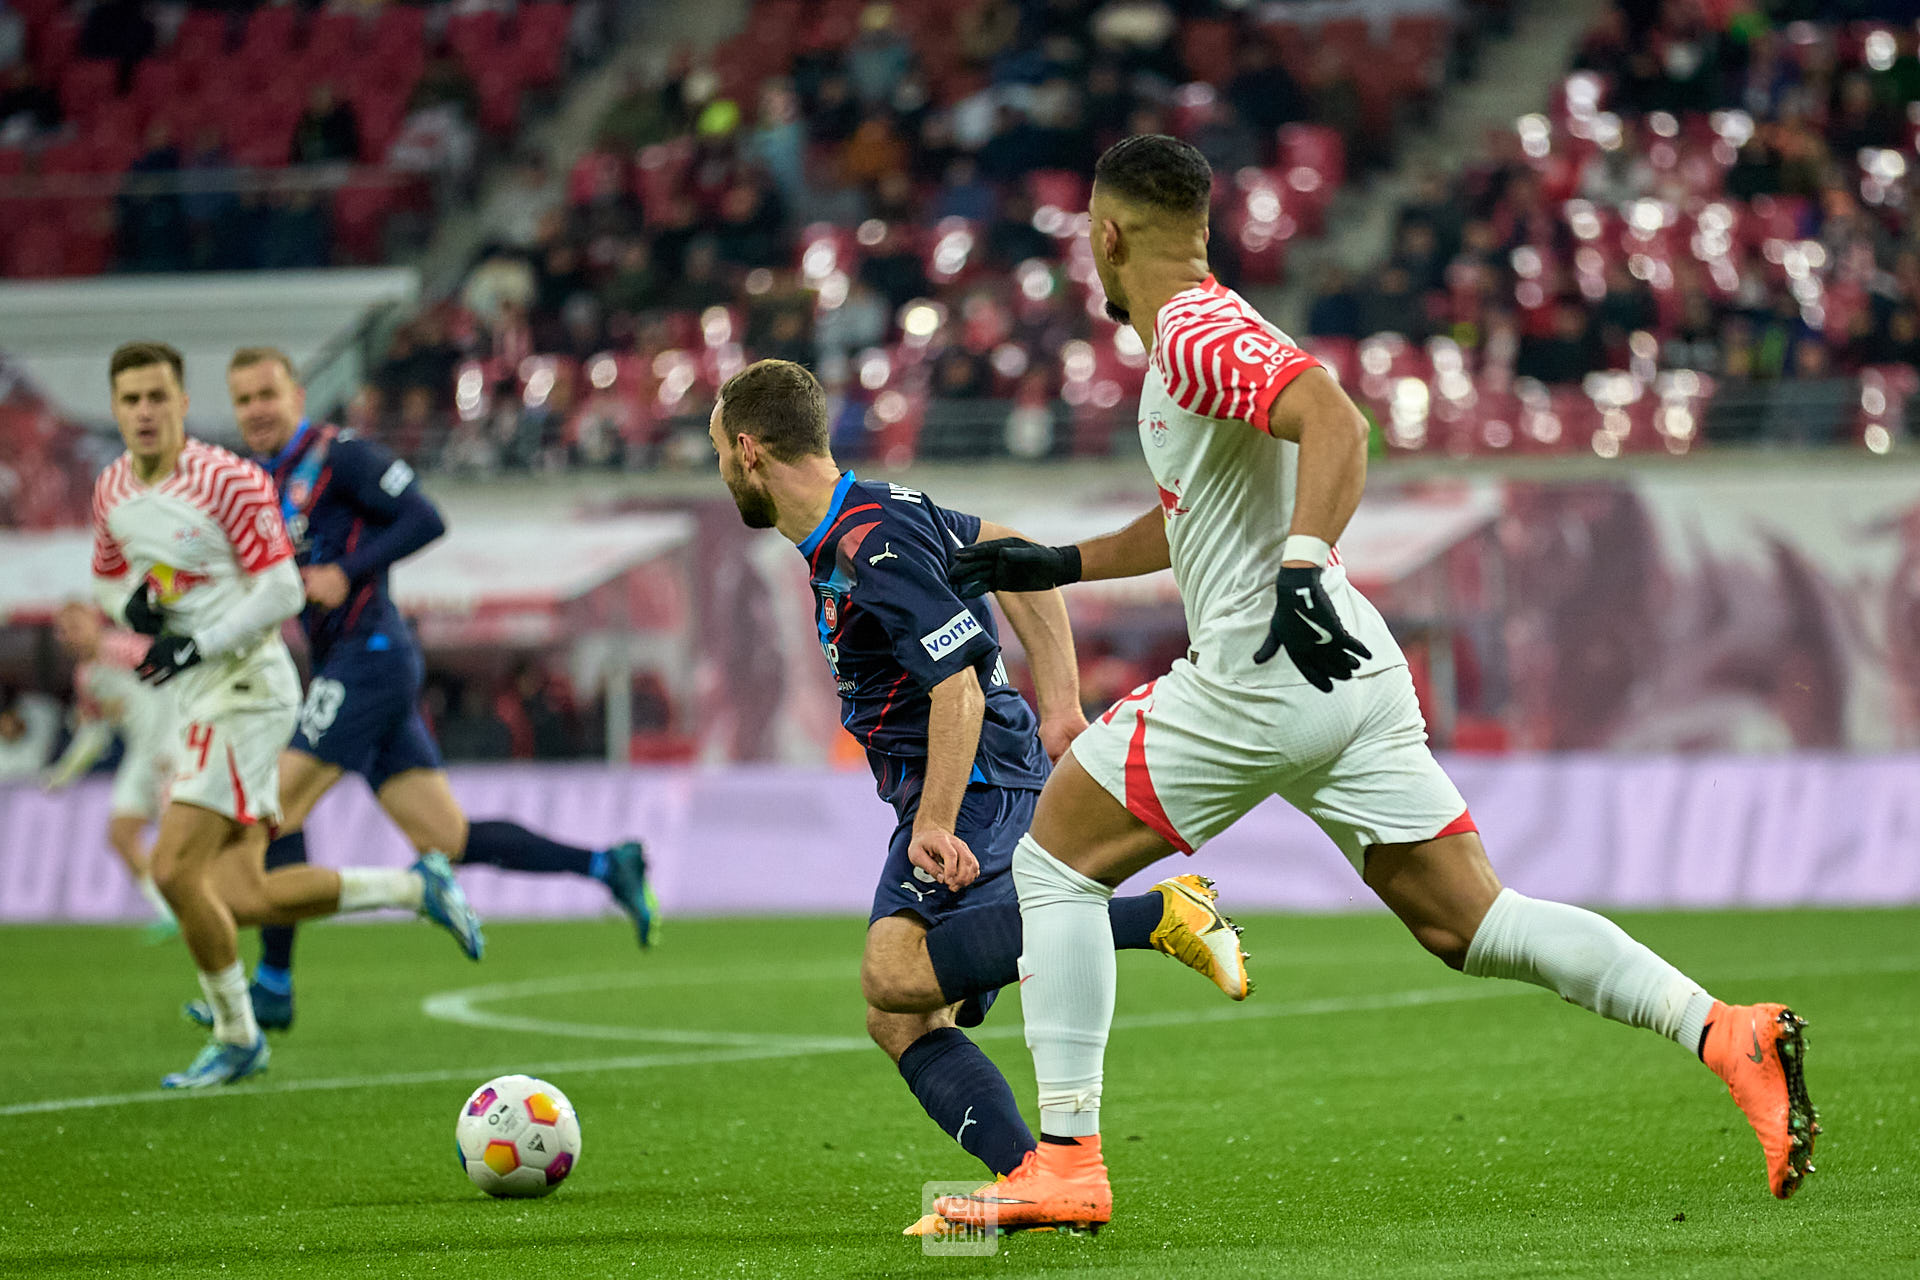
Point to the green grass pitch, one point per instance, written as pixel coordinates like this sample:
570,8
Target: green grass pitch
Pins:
1367,1113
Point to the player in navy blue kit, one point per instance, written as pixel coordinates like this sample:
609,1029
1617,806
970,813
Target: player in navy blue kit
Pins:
354,510
953,746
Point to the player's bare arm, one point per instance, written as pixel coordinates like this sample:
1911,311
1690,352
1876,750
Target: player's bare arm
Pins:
953,737
1009,562
1316,414
1039,618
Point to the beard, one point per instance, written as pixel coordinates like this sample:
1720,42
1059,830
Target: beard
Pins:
756,506
1117,313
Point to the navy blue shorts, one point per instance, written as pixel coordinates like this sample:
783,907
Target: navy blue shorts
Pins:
362,713
992,820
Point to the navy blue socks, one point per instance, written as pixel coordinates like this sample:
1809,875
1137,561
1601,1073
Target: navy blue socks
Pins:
967,1097
977,949
512,847
275,970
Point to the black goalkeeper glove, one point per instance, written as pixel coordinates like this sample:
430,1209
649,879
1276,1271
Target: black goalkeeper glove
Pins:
169,656
1305,625
143,615
1011,564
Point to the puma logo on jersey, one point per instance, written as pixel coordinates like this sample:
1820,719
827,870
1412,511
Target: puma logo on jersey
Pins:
888,553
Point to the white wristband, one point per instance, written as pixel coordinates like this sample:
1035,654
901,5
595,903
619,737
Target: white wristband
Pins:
1301,546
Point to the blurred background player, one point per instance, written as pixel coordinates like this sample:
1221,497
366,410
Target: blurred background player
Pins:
354,510
189,548
953,746
109,698
1294,687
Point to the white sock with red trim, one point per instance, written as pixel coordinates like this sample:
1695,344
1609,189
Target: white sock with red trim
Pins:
1591,961
1066,986
371,888
226,992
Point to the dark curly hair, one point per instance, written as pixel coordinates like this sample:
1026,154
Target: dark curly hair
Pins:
1159,172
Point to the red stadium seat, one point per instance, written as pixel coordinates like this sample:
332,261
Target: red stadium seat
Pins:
86,84
89,241
660,173
269,32
1317,147
499,88
1207,49
1351,38
474,38
37,250
359,219
400,28
1061,188
53,46
154,81
202,36
333,34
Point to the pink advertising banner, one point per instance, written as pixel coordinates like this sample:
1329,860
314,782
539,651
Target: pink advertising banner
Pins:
1604,829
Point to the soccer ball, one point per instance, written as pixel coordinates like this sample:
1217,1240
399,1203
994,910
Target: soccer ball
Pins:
517,1136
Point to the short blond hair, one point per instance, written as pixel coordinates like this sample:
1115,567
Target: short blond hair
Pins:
247,357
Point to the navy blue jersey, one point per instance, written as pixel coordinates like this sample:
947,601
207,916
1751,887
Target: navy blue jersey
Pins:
350,503
892,629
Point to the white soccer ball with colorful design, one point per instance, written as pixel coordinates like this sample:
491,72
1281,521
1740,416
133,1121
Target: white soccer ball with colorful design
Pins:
518,1137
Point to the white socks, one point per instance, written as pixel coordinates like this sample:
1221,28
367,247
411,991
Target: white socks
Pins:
1066,986
371,888
226,993
1590,961
155,899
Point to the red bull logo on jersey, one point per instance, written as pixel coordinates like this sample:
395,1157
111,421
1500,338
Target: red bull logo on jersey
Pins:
1171,502
170,584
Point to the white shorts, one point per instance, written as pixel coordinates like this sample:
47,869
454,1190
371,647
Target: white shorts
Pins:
231,763
235,720
1189,756
142,783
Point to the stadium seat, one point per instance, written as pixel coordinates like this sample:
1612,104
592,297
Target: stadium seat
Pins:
86,83
269,32
37,250
359,221
201,37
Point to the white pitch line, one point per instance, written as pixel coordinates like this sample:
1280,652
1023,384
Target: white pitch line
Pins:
800,1047
794,1048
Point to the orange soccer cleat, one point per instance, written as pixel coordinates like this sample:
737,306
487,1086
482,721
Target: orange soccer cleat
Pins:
1760,1050
1059,1186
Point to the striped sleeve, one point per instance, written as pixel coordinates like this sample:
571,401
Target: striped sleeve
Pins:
239,497
1222,361
108,561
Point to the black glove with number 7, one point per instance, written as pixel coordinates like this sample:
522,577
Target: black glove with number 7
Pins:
169,656
1305,625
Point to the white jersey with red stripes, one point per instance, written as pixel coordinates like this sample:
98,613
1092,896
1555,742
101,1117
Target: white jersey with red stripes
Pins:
197,536
1227,486
109,691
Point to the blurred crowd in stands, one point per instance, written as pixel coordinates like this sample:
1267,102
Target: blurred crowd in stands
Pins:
143,136
892,197
840,176
1805,132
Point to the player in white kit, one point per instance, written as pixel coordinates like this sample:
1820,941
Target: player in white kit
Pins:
1294,687
111,699
190,548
